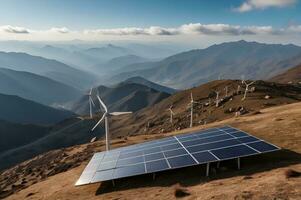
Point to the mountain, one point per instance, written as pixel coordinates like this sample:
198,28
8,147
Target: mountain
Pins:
229,60
115,64
19,110
155,86
292,75
13,135
107,52
35,87
50,68
121,97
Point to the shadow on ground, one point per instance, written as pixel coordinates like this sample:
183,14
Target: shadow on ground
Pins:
195,175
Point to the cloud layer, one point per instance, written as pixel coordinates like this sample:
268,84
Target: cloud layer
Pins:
192,29
263,4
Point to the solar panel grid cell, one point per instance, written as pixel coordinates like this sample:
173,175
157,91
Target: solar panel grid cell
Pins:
211,145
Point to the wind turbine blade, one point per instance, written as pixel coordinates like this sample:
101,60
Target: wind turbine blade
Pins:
90,93
102,118
120,113
102,104
90,98
191,96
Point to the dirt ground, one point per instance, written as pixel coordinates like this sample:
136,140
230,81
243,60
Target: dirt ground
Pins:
261,177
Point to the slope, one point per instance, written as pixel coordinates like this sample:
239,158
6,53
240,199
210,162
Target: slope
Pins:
34,87
19,110
292,75
261,177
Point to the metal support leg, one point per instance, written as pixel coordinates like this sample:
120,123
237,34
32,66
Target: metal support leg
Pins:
154,176
238,163
217,165
207,169
113,183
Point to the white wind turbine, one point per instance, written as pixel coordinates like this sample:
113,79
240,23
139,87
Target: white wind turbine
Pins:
91,102
192,102
171,113
105,117
217,98
247,88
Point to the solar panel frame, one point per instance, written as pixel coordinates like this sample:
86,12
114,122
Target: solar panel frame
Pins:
171,152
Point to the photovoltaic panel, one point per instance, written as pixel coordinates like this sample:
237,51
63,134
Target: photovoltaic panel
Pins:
199,147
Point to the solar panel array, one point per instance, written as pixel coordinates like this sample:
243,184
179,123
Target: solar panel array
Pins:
211,145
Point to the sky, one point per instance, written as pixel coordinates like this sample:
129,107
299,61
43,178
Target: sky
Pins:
183,21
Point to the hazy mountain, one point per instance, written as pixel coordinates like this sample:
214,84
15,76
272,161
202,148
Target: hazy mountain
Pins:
35,87
116,64
122,97
228,60
13,135
155,86
50,68
107,52
292,75
19,110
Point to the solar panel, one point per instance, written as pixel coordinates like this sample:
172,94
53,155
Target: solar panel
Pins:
200,147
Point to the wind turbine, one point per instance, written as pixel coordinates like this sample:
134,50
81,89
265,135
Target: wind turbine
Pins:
247,88
191,109
91,102
217,98
171,113
105,117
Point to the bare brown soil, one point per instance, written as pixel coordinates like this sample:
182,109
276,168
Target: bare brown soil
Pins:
261,177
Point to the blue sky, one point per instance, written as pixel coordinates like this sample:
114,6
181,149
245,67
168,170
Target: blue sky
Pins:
218,20
78,14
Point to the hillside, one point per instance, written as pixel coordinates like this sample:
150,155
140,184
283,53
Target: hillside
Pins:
19,110
155,86
121,97
292,75
156,119
36,88
13,135
227,60
45,67
261,177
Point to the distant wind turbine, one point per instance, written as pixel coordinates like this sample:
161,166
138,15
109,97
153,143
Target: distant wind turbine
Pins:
217,98
247,88
171,114
192,102
105,117
91,102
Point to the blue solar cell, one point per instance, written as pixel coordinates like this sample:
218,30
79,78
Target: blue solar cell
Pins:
233,152
107,165
109,158
239,134
156,166
129,161
98,156
129,171
207,140
185,135
131,154
181,161
175,152
171,146
155,156
247,139
215,145
262,146
204,157
225,127
152,150
103,175
188,138
210,134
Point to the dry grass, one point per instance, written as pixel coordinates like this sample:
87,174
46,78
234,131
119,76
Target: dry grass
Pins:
290,173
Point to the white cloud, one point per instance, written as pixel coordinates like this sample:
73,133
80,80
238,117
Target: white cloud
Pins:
14,29
191,30
249,5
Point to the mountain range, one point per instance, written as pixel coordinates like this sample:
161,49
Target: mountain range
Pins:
229,60
45,67
292,75
18,110
35,87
